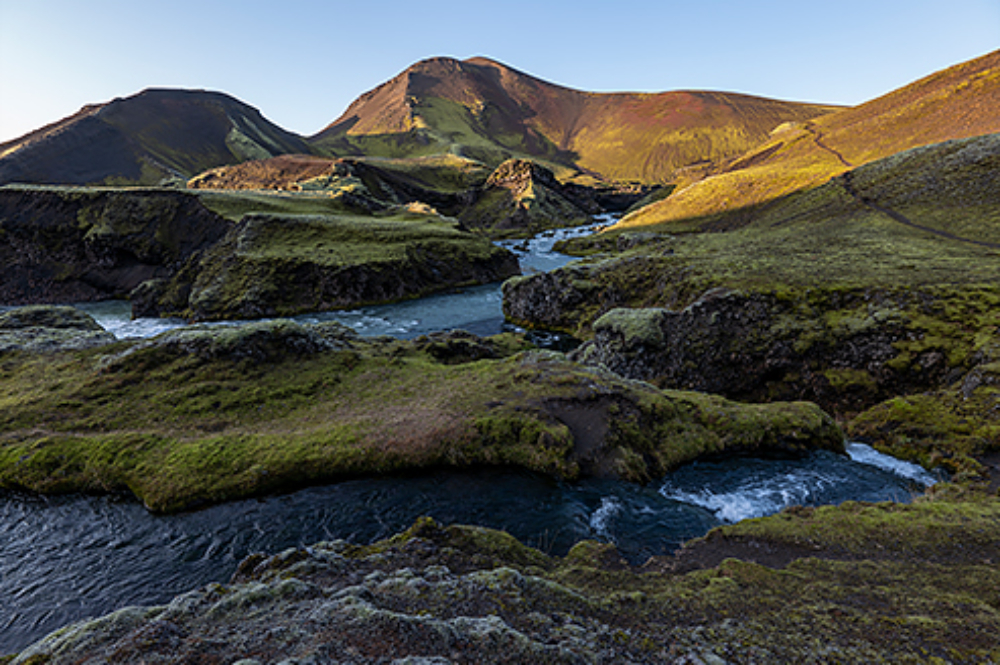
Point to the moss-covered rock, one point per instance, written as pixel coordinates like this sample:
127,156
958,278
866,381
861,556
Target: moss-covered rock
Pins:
523,197
271,265
77,244
50,328
264,341
845,350
956,426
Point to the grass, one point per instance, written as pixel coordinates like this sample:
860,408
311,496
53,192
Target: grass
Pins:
932,530
822,238
233,205
288,264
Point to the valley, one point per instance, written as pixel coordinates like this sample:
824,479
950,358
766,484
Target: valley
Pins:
771,281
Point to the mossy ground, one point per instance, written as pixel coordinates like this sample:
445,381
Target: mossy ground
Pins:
953,427
178,426
233,205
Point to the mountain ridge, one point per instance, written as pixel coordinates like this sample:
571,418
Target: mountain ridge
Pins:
155,134
487,111
954,103
483,109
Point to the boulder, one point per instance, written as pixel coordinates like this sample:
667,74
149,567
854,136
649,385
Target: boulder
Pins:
259,341
50,328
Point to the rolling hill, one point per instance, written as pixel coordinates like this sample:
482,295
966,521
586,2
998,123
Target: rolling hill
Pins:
955,103
485,110
145,138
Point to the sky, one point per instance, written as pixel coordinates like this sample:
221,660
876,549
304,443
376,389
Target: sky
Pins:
302,63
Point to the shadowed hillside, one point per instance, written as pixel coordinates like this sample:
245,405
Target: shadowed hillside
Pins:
487,111
145,138
958,102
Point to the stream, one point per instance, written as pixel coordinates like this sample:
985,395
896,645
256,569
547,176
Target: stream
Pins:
67,558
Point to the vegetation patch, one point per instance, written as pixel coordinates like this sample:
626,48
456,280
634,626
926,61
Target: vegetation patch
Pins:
211,414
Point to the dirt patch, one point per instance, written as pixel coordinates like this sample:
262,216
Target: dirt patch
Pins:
588,423
715,548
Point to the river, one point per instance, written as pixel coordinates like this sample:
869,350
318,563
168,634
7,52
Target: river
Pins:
63,559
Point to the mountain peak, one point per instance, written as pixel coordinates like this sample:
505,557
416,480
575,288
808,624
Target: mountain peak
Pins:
485,110
143,138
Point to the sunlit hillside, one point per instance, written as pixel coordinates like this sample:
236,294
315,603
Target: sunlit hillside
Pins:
958,102
485,110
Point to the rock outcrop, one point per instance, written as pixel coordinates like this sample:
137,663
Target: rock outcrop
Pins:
278,265
844,351
50,328
170,254
524,196
520,197
69,245
445,183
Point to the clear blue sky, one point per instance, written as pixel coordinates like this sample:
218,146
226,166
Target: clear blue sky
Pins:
301,63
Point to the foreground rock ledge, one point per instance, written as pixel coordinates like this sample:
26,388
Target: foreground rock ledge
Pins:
888,588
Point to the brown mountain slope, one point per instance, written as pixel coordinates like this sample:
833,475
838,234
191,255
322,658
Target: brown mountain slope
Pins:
145,138
488,111
958,102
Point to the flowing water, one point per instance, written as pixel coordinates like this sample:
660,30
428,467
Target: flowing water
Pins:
476,309
67,558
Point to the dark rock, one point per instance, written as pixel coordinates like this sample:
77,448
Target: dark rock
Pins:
548,300
759,347
48,316
66,244
455,346
263,341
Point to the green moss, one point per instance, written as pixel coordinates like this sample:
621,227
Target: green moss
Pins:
207,416
850,379
947,427
233,205
637,326
929,529
280,265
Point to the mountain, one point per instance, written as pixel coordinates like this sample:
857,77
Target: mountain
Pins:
955,103
145,138
485,110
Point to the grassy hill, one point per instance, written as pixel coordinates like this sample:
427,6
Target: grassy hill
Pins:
145,138
958,102
925,219
485,110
